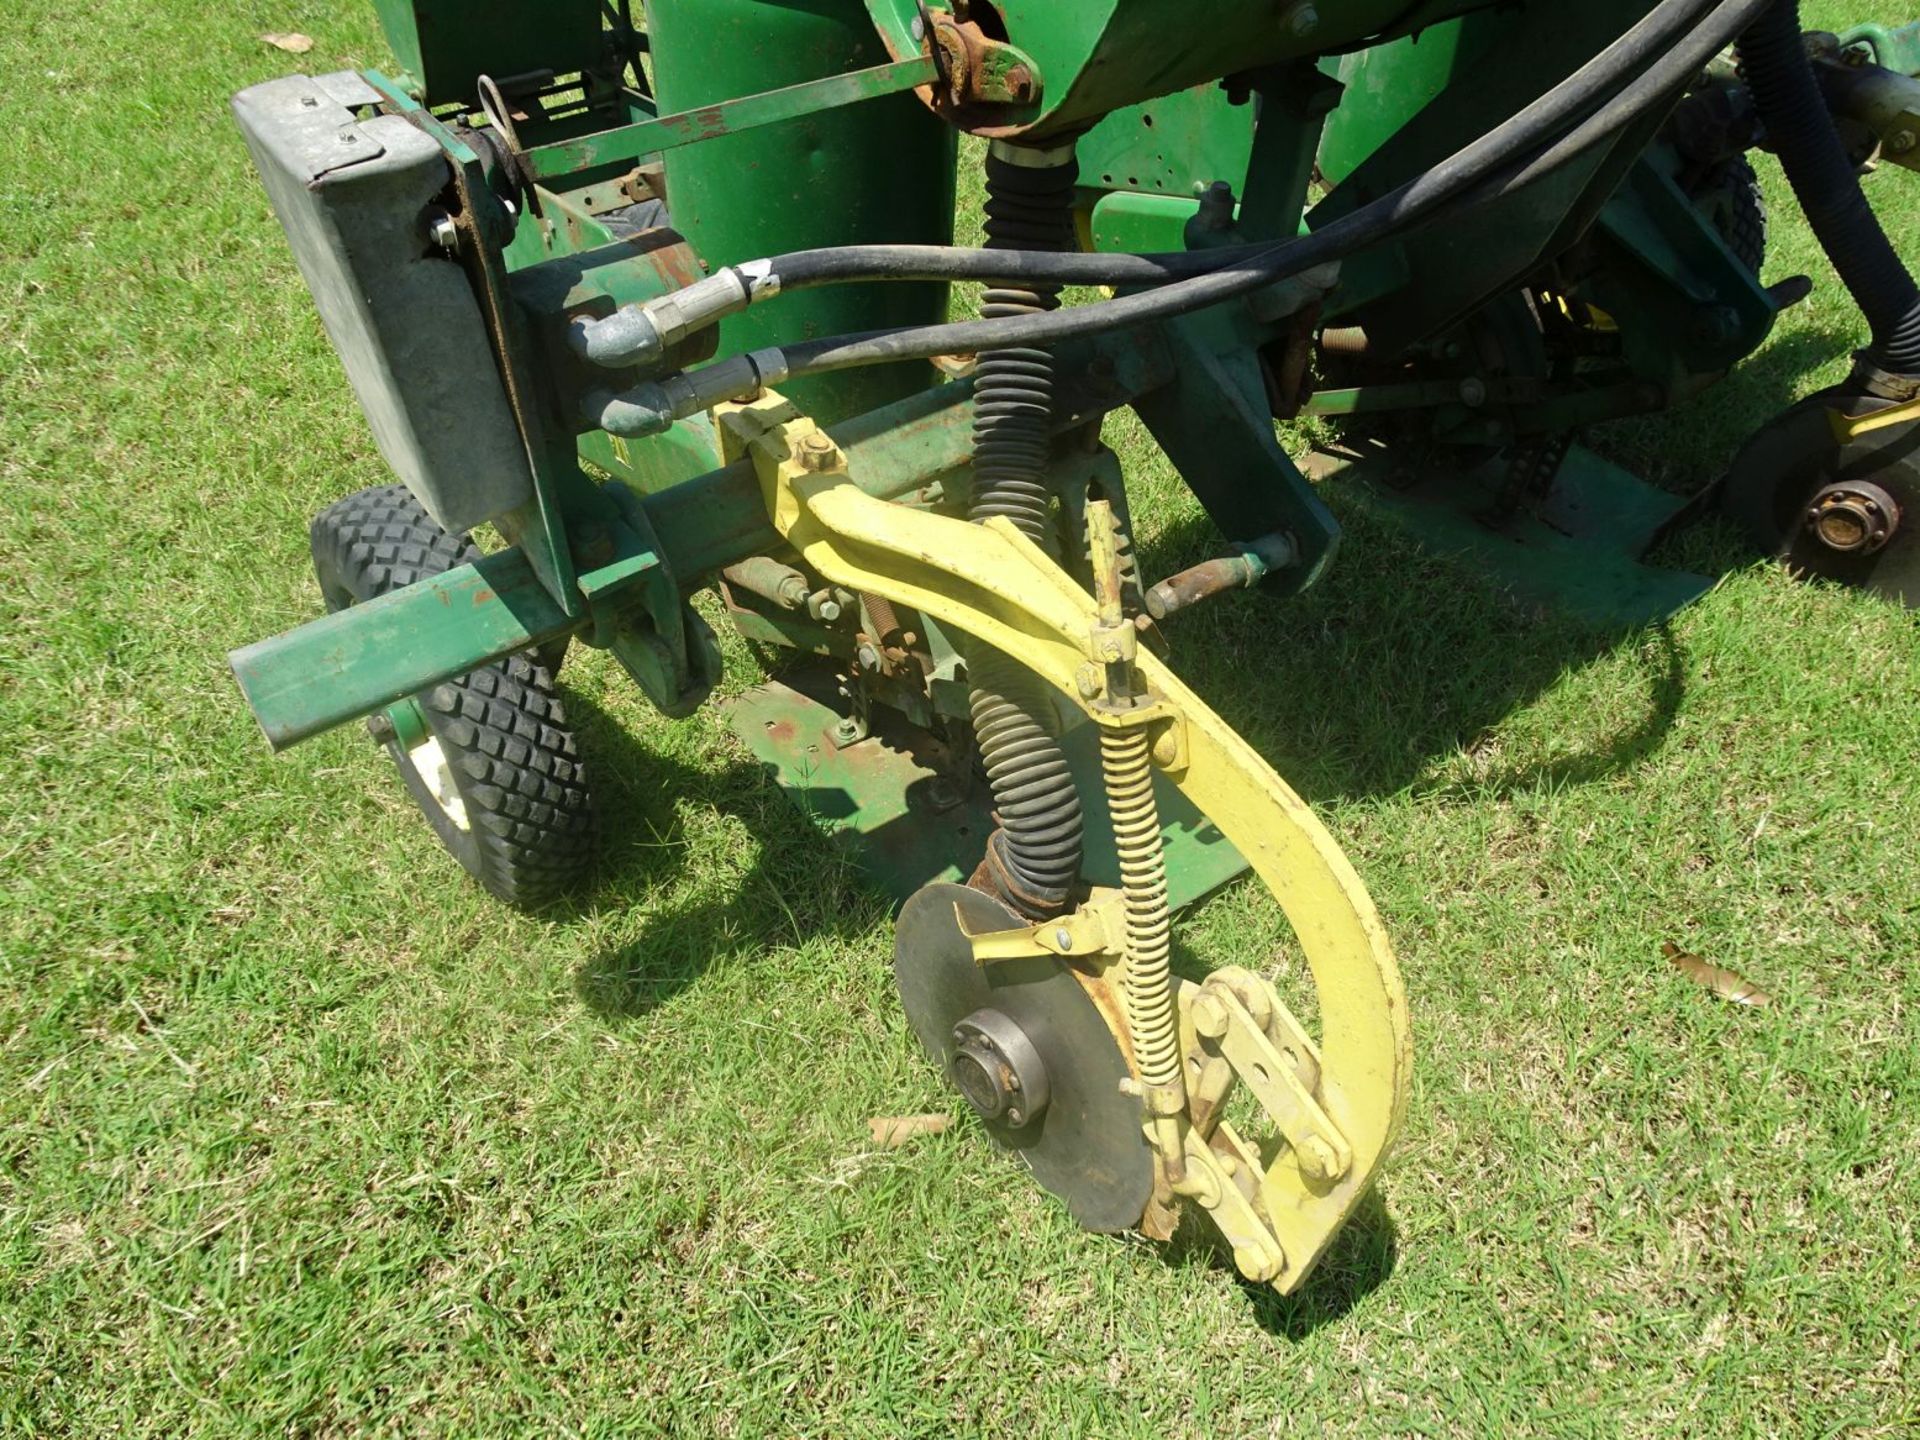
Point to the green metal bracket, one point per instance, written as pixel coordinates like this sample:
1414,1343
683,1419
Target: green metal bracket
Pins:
1173,147
885,799
356,661
629,143
1897,50
1215,424
537,527
1685,304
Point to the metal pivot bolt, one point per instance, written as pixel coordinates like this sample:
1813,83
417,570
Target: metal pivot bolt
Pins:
1216,206
442,231
997,1070
817,452
1302,20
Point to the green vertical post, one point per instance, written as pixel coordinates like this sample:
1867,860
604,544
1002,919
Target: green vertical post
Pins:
878,171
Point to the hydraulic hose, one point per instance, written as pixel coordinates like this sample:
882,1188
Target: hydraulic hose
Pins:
1501,156
1499,162
1787,96
1033,857
1185,281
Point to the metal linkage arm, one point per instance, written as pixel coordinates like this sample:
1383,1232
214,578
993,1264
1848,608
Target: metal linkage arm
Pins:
991,583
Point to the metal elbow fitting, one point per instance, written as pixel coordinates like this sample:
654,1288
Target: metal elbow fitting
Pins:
643,334
650,408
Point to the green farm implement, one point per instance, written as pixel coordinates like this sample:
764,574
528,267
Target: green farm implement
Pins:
660,303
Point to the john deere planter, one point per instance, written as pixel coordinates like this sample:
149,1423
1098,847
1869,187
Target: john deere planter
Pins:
663,301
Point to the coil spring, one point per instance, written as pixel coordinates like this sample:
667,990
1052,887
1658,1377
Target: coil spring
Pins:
1126,764
1028,208
1038,843
1036,850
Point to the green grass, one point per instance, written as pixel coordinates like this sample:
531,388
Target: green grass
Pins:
301,1134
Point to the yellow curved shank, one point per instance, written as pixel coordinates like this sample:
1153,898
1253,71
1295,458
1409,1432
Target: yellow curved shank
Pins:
992,583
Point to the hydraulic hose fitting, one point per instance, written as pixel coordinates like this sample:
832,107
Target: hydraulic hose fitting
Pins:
1033,857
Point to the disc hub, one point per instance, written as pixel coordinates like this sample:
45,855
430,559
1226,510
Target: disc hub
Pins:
997,1070
1854,518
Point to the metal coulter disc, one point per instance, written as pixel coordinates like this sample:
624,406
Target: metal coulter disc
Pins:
1085,1144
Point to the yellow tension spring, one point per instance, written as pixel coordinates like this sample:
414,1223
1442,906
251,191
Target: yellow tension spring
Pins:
1126,765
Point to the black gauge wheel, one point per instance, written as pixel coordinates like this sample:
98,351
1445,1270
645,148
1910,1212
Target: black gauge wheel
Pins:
488,757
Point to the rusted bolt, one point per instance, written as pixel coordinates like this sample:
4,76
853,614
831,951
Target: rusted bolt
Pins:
818,452
1087,680
1019,84
943,794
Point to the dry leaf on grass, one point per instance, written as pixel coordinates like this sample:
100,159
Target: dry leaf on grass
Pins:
893,1131
1724,983
292,41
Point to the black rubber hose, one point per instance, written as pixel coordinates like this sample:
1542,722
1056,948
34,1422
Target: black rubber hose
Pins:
1495,158
1667,25
1034,855
1787,96
1662,84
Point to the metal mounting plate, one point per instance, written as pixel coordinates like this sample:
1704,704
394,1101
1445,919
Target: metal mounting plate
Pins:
877,797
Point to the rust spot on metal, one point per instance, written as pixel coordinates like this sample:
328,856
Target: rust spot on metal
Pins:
483,597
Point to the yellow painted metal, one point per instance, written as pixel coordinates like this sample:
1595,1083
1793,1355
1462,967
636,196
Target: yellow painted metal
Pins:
1848,428
991,583
1098,928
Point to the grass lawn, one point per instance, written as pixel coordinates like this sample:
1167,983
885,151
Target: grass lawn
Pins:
300,1133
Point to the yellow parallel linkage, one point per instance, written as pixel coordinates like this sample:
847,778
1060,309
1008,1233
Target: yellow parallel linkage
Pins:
1338,1104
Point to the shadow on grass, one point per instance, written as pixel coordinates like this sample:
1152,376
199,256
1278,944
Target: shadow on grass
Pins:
798,885
1361,1258
1402,656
